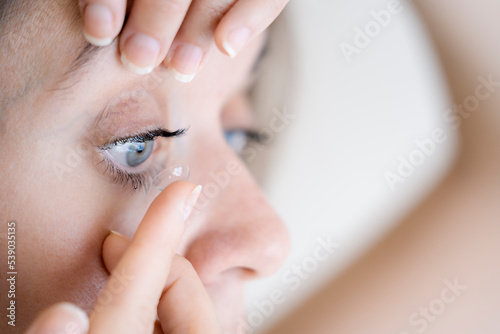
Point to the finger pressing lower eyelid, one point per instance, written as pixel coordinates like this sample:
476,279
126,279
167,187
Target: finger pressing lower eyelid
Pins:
59,318
115,244
113,248
128,302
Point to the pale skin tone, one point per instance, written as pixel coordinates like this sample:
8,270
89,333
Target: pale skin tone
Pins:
185,30
454,233
427,253
188,275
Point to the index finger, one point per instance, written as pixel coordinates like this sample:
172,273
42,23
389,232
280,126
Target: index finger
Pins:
102,20
128,303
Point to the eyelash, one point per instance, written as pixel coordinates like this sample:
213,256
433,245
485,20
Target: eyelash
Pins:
140,181
144,137
252,136
256,137
137,181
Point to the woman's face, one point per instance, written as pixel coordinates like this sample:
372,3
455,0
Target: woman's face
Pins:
66,182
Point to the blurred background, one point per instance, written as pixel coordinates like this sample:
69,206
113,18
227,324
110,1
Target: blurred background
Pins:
366,138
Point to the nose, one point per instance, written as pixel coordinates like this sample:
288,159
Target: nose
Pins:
236,230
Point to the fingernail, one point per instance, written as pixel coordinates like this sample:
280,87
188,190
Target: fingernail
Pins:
140,53
99,27
191,202
236,40
76,323
83,327
186,61
118,234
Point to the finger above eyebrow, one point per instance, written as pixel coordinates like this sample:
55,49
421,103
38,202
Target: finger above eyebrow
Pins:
149,32
244,21
195,38
102,20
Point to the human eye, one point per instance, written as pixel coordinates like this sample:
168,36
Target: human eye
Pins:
131,154
129,160
238,139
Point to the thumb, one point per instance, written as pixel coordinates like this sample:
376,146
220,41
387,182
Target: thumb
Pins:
113,248
60,318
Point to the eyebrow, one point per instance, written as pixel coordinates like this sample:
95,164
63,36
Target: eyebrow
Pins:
87,54
262,54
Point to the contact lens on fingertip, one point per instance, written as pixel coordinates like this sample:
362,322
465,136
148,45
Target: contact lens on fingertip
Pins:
169,176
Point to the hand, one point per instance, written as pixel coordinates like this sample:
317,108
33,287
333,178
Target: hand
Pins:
141,286
187,28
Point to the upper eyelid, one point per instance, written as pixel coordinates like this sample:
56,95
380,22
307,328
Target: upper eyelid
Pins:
251,134
144,136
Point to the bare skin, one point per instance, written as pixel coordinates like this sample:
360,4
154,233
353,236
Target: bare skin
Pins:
66,185
179,33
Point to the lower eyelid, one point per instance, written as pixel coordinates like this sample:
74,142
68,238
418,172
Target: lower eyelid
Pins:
137,177
136,180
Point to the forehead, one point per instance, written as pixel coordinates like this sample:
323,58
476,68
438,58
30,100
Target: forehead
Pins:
38,40
48,39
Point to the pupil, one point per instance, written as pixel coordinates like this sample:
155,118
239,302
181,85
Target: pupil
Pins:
139,153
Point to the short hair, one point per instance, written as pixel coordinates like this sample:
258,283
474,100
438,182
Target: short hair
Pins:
6,9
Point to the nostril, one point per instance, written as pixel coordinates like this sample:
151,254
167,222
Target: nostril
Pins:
242,273
252,249
240,235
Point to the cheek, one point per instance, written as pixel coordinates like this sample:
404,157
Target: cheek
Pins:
60,227
58,254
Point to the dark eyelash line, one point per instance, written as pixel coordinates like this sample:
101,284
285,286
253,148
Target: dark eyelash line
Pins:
143,179
257,137
145,137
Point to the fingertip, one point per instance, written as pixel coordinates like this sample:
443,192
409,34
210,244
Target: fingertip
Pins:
99,24
235,40
113,248
114,238
180,196
118,234
179,187
97,41
140,53
244,21
185,61
233,32
82,320
61,318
